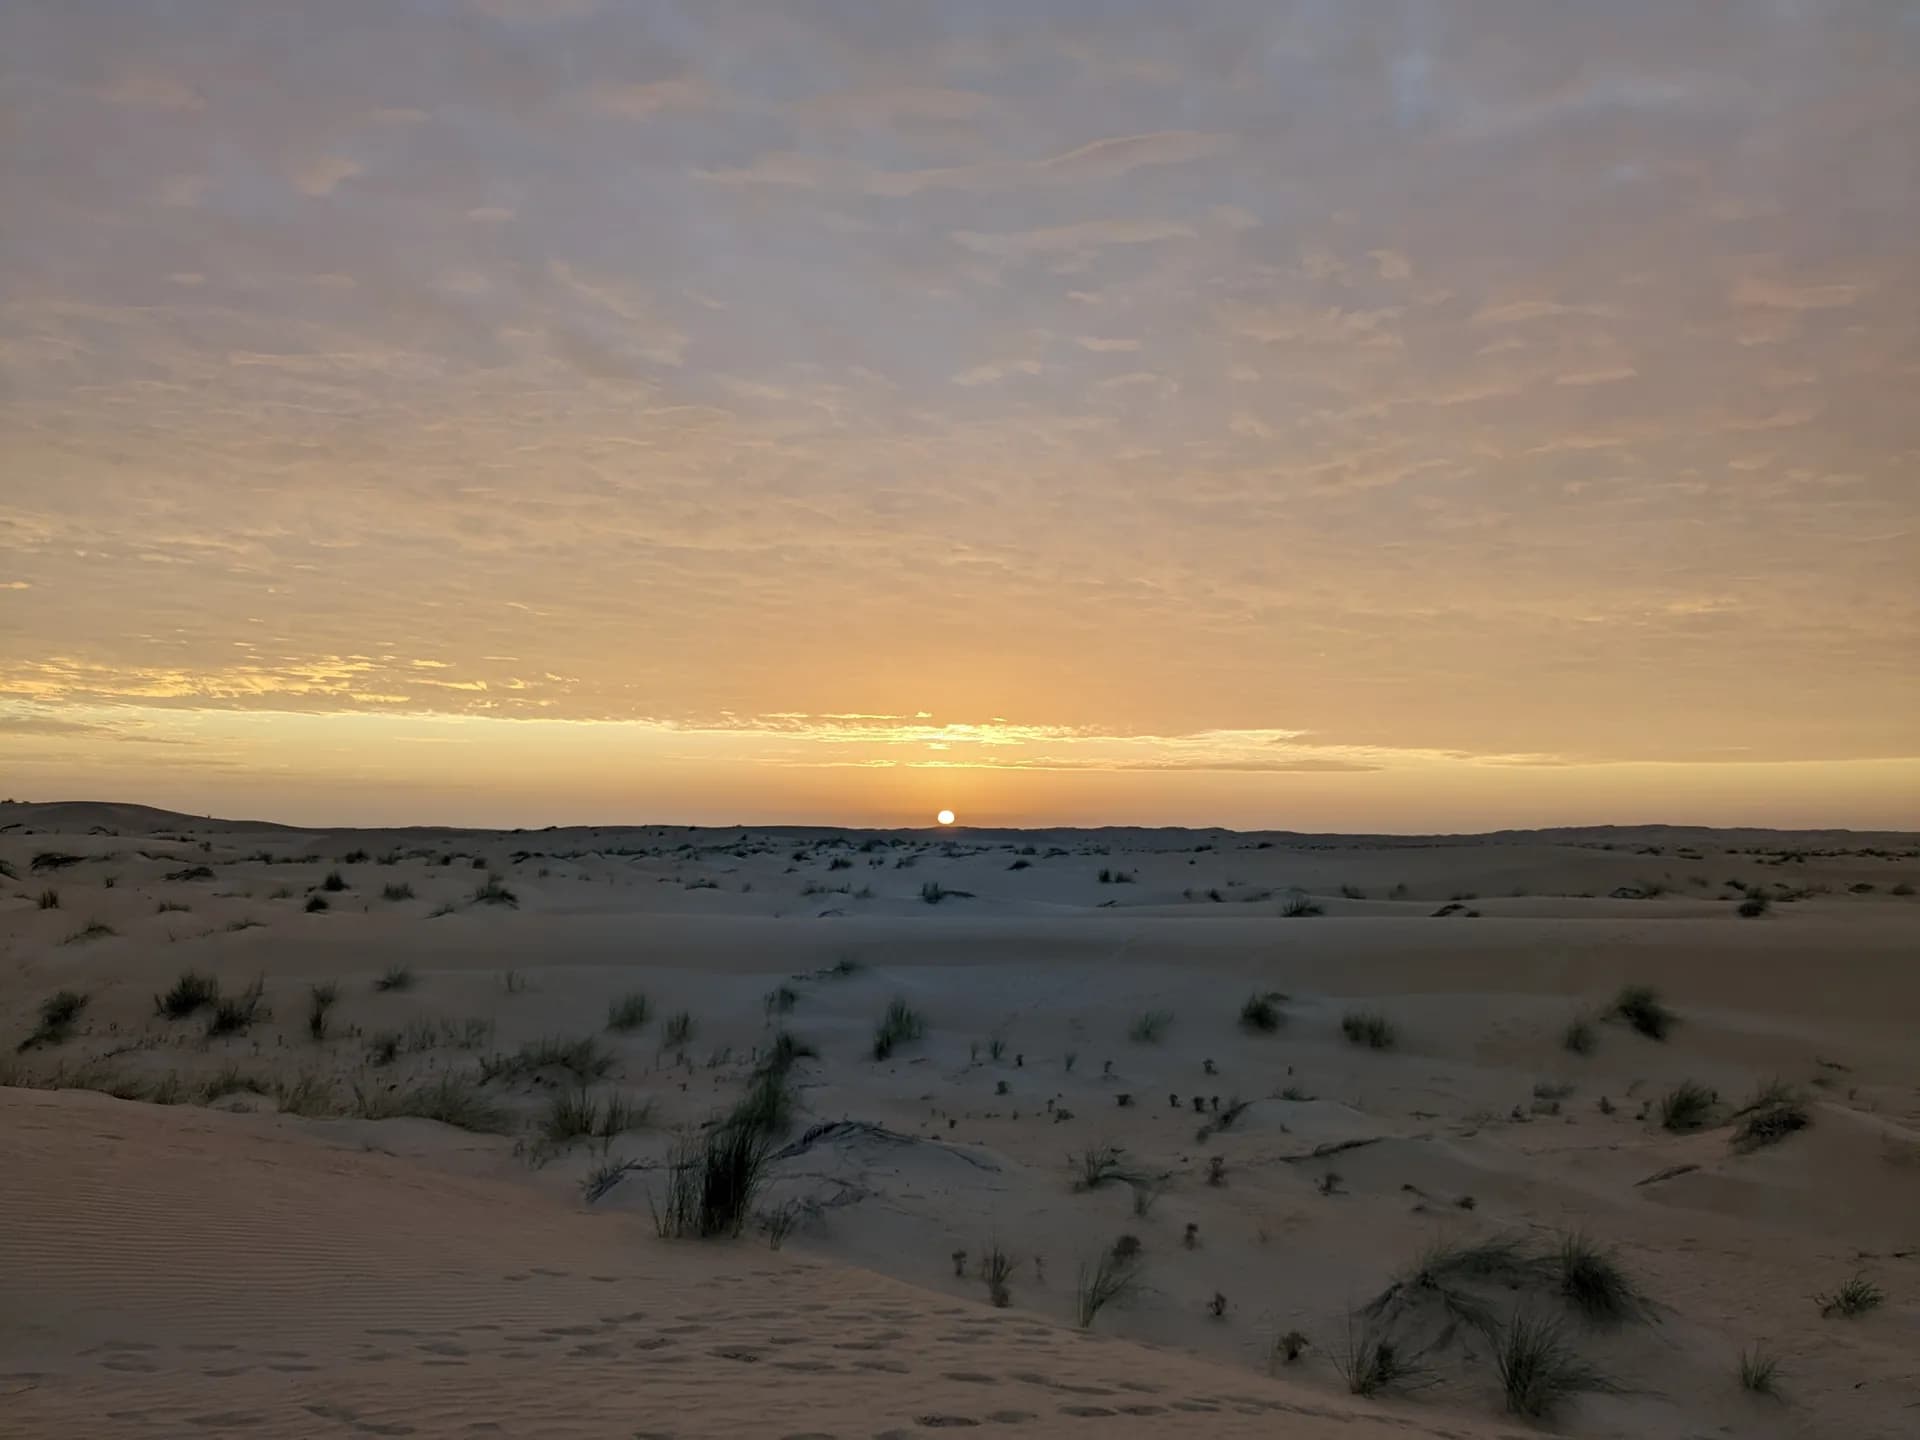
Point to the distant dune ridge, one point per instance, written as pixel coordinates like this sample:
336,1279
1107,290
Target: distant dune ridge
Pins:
1606,1131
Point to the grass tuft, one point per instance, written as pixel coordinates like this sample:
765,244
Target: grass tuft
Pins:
1760,1373
1262,1013
711,1182
1591,1280
1579,1037
452,1100
232,1014
1687,1107
1111,1279
399,891
1369,1028
678,1030
629,1012
901,1025
320,999
1150,1028
1540,1371
190,992
58,1012
1856,1297
492,891
396,977
1770,1117
1641,1007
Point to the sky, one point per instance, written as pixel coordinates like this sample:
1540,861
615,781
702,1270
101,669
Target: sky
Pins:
1436,415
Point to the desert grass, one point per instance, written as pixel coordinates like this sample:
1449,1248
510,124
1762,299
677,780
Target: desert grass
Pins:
230,1079
1150,1028
399,891
58,1012
901,1025
320,1000
171,907
334,882
1540,1370
317,903
711,1181
1641,1007
1753,906
781,999
1687,1107
48,899
233,1014
190,992
1760,1373
629,1012
1444,1271
1097,1165
768,1104
599,1181
1262,1013
452,1100
570,1115
1590,1278
677,1031
582,1058
1370,1362
996,1269
308,1095
1369,1028
782,1220
92,930
785,1051
1775,1112
493,891
1579,1037
1111,1279
1299,907
394,978
1856,1297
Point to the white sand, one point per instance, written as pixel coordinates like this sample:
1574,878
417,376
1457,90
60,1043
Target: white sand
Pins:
185,1270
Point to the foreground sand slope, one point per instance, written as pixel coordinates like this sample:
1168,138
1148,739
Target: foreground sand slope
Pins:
180,1272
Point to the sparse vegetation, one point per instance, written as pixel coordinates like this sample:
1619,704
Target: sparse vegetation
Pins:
1369,1028
1773,1114
320,1000
395,977
492,891
901,1025
92,930
582,1058
629,1012
49,899
678,1030
1298,906
317,903
1856,1297
1096,1166
334,882
452,1100
1371,1362
1592,1281
400,891
1641,1007
189,993
711,1181
1753,906
1111,1279
58,1012
1539,1370
1261,1013
1759,1372
1579,1037
232,1014
1150,1028
996,1269
1687,1107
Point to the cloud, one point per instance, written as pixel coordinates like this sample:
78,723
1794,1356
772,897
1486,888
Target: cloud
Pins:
639,101
323,174
1601,375
1085,235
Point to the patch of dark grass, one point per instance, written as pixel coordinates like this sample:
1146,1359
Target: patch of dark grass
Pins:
1150,1028
400,891
320,1000
901,1025
1540,1370
1110,1279
1371,1362
48,899
233,1014
996,1269
452,1100
599,1181
92,930
582,1058
1369,1028
1687,1107
58,1012
1591,1279
1753,906
189,993
334,882
1261,1013
1579,1037
1770,1117
1097,1165
1855,1298
1760,1373
629,1012
570,1115
493,891
317,903
308,1095
677,1031
1641,1007
395,977
711,1181
1300,907
781,999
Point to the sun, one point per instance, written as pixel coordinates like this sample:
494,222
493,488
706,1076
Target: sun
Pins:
945,817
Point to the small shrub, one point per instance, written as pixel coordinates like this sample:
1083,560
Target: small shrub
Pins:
492,891
1856,1297
711,1181
678,1030
1759,1372
1369,1028
232,1014
58,1012
396,977
1579,1037
334,882
320,1000
1592,1281
1298,906
1539,1371
1261,1013
899,1026
308,1095
317,903
1150,1028
1290,1346
629,1012
1753,906
1372,1362
400,891
1111,1279
1687,1107
602,1178
1640,1006
996,1269
571,1114
49,899
1096,1165
1771,1117
190,991
781,1000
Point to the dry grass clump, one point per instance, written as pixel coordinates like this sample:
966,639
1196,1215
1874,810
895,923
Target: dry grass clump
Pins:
395,978
901,1025
1759,1373
1150,1028
492,891
1097,1165
398,891
189,993
1579,1037
1641,1007
996,1269
1687,1107
1856,1297
1369,1028
582,1058
452,1100
1371,1362
320,1000
1539,1370
233,1014
1775,1112
1262,1013
711,1181
1112,1278
629,1012
58,1012
1590,1278
678,1030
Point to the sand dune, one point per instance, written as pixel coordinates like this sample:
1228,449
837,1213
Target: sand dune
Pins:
393,1276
